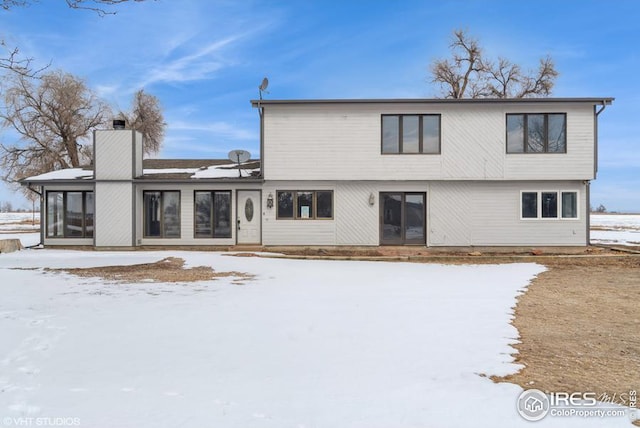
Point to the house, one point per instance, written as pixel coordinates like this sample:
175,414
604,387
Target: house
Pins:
429,172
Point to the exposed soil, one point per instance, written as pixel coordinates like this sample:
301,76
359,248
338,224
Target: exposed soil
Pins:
170,269
579,324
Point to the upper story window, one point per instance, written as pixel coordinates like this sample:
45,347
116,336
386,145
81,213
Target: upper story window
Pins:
537,133
411,133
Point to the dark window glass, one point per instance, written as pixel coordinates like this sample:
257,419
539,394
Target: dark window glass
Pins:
529,204
222,203
73,215
410,138
431,134
414,218
285,204
55,214
304,205
152,214
162,214
549,205
569,205
171,214
69,214
203,208
390,134
557,133
391,217
411,133
89,207
324,204
515,133
536,133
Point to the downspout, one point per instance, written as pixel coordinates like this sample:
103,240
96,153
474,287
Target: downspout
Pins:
41,216
595,168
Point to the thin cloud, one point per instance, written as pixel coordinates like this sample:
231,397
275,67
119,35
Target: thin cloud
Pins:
198,65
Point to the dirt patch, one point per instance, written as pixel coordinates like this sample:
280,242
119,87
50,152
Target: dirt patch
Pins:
170,269
579,324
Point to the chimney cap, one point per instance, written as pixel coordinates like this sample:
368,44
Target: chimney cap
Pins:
119,124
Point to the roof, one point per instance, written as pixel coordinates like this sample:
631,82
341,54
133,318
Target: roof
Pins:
589,100
163,169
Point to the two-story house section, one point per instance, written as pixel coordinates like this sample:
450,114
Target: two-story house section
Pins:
434,172
429,172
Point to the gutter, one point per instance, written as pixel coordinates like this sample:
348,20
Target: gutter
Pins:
28,186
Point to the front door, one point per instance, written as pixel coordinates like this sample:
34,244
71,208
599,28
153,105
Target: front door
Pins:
402,218
248,213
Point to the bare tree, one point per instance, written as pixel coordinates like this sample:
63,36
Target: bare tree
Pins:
468,74
53,116
146,116
98,6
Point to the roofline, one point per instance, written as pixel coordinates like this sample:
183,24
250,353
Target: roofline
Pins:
25,182
590,100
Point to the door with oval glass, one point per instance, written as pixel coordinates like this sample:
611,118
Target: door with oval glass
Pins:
249,216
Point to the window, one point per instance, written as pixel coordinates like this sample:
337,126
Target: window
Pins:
162,214
402,218
544,205
569,205
212,214
537,133
529,205
305,205
70,214
411,134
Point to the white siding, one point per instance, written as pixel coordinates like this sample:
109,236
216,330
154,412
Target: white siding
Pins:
114,214
296,232
459,213
114,154
187,213
343,142
488,213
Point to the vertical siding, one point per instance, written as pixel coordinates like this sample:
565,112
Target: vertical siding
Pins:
114,214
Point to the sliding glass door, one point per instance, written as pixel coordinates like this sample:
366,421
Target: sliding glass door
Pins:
402,218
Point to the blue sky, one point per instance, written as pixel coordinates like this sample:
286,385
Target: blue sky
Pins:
205,58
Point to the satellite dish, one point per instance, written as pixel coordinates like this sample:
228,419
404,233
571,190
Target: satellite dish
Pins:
239,156
263,86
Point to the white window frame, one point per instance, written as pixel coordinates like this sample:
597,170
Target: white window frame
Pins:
559,205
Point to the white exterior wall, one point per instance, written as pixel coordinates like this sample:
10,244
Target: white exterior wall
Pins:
488,213
117,154
343,141
471,213
114,214
187,215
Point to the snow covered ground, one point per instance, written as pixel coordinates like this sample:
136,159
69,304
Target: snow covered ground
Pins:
616,229
304,344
